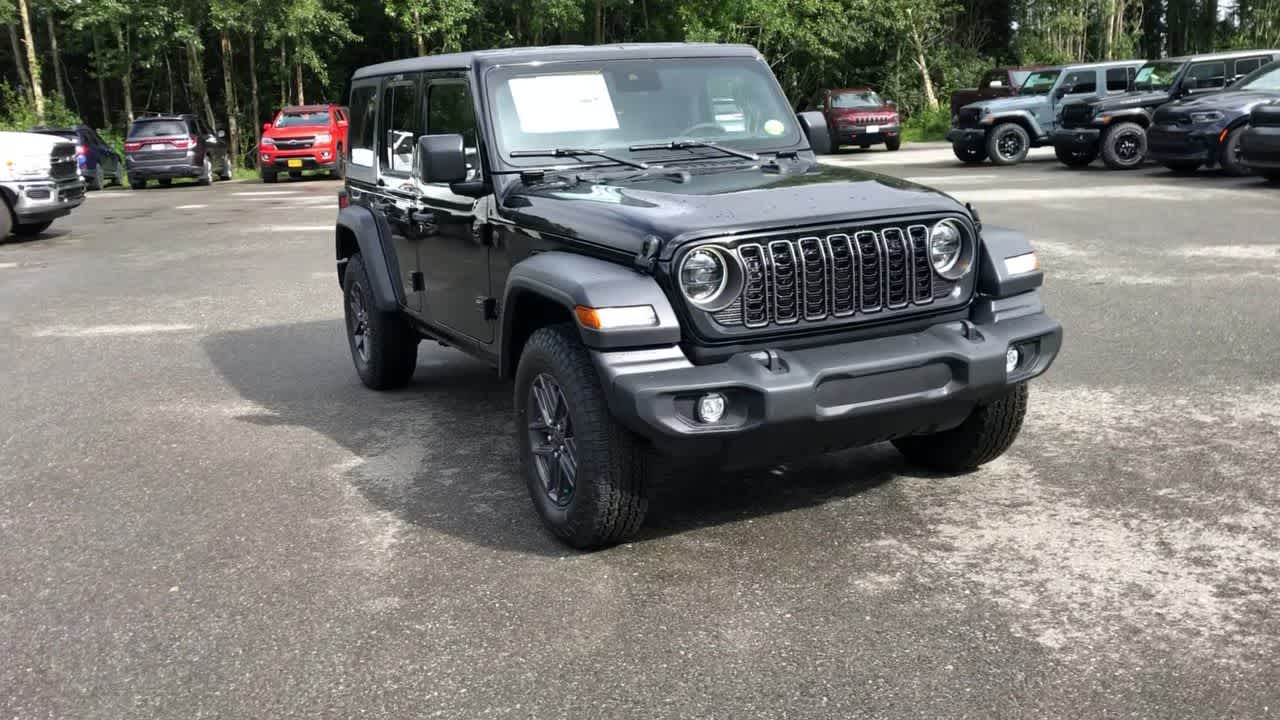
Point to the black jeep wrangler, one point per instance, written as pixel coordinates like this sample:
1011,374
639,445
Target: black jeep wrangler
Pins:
660,284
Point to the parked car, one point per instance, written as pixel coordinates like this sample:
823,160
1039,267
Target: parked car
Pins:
1260,143
996,83
659,286
306,137
97,161
1116,127
1004,130
165,147
39,182
859,116
1207,129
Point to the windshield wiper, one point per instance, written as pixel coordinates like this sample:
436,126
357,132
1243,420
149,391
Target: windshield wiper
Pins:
575,152
686,144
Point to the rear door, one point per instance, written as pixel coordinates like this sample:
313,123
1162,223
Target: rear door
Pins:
1245,65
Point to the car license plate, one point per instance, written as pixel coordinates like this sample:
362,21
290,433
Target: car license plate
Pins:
157,146
873,128
295,163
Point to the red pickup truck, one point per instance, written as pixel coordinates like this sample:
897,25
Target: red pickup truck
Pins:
304,137
997,83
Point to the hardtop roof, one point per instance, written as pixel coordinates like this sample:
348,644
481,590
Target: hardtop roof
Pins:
1226,55
480,59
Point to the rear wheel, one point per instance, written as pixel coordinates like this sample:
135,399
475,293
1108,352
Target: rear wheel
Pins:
969,153
893,143
1124,146
383,346
1075,158
984,436
206,173
588,476
29,229
1232,162
1008,144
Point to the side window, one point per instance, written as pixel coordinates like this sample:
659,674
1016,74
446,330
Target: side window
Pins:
1081,81
400,125
360,133
1244,66
1207,75
1118,79
450,110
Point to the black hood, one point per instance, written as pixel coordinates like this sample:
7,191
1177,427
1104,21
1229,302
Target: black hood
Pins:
1241,101
1128,101
620,209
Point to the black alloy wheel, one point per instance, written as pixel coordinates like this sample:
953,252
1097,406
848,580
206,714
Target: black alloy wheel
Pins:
551,440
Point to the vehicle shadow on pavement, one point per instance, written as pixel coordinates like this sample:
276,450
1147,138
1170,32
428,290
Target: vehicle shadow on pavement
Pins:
441,453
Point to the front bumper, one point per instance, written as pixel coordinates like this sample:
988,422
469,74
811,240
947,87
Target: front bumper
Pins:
858,134
967,136
42,200
1260,147
150,169
1177,144
1077,139
316,158
788,403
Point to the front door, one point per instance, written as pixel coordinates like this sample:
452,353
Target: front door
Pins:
395,195
454,248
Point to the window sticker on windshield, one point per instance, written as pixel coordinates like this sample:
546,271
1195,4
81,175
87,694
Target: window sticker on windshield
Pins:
774,127
563,103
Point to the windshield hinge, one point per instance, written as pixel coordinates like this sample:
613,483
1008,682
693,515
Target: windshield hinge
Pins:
529,177
647,257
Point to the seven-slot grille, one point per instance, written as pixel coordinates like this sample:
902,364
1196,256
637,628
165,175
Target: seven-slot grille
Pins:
812,278
969,117
1077,114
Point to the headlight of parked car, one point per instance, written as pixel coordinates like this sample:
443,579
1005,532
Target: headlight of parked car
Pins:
323,138
710,278
1206,117
950,249
268,142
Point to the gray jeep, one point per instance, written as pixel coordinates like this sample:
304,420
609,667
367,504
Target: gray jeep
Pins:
661,283
1005,129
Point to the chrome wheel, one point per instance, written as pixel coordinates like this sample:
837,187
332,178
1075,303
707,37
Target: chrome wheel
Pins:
551,439
358,321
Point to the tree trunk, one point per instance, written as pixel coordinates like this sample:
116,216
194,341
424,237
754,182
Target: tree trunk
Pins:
418,36
253,89
101,72
17,60
297,83
168,74
922,64
59,82
599,22
126,74
284,76
33,65
198,85
229,88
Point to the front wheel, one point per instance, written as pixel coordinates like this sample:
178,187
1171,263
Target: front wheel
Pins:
984,436
892,144
1008,144
1231,160
339,165
1075,158
967,153
1124,146
588,476
383,346
31,229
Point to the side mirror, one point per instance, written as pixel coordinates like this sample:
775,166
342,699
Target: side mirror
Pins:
995,84
1061,92
891,104
814,125
343,123
266,127
441,159
222,134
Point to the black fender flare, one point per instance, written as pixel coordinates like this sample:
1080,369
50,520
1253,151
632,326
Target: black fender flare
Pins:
994,278
1022,117
569,280
1142,116
373,242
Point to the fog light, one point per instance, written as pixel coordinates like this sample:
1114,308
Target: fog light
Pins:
1011,359
266,157
711,408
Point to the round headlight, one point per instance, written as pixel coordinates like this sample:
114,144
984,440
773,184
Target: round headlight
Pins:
710,278
947,250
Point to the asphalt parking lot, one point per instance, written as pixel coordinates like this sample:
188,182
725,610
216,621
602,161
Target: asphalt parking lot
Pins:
204,514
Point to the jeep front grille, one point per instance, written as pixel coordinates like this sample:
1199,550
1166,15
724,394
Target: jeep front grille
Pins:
969,117
812,278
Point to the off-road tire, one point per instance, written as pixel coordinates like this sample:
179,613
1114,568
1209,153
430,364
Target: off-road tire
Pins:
31,229
967,153
1182,167
1075,158
1111,143
984,436
1012,133
892,144
392,345
1230,159
614,468
268,176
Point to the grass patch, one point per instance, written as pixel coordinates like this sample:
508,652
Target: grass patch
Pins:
927,125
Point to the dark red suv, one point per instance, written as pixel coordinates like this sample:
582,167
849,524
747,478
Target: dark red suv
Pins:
859,116
304,137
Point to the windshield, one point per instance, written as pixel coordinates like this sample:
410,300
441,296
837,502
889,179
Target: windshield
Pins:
613,105
294,119
1266,77
859,99
1039,82
157,128
1156,76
